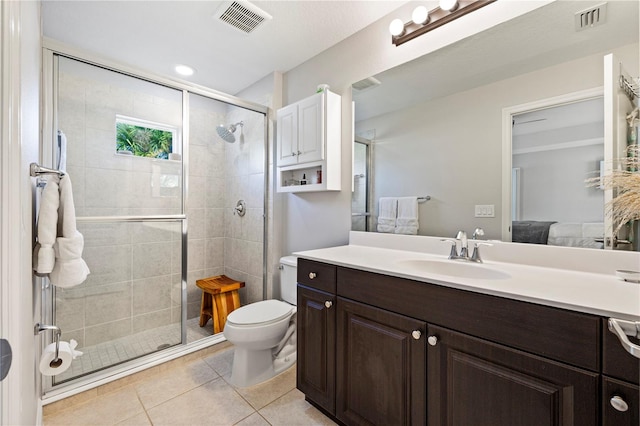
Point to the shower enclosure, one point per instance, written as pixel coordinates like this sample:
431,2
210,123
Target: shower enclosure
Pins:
155,188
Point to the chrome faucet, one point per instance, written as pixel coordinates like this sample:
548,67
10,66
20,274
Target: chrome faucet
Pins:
464,247
461,237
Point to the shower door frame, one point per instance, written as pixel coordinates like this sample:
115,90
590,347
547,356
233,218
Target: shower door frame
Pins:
50,53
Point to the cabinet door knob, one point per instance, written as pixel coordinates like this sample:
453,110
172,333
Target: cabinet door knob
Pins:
312,275
416,334
433,340
328,303
293,154
618,403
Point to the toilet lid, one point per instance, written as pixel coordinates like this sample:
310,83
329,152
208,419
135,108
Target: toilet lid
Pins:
260,312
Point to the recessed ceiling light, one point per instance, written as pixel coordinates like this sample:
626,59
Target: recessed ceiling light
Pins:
184,70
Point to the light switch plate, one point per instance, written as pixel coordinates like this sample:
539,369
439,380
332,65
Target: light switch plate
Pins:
485,210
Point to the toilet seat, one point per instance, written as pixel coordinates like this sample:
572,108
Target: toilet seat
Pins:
260,313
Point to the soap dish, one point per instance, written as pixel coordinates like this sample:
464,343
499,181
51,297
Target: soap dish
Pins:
630,276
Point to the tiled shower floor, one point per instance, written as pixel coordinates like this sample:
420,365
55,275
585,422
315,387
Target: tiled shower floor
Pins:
108,354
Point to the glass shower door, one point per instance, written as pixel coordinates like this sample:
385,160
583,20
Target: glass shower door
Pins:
120,141
360,212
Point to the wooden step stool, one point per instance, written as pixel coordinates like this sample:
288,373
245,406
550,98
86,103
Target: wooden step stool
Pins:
219,298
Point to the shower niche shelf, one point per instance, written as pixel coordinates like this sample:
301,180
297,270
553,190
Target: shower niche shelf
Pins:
308,144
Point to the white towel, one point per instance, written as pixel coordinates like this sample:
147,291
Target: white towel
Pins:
407,216
43,254
387,211
70,269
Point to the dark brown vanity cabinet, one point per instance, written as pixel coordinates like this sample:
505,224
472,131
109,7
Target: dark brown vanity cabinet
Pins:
621,374
382,350
316,364
381,360
475,382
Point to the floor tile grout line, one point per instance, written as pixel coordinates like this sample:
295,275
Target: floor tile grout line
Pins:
180,394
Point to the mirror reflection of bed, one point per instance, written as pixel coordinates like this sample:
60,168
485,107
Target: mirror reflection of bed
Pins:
554,151
586,234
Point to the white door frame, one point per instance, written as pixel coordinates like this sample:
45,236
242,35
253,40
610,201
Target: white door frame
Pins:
19,143
507,126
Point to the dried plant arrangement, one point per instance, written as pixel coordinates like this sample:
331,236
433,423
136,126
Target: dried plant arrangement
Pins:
625,182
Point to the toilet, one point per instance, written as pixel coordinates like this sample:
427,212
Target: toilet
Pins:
264,333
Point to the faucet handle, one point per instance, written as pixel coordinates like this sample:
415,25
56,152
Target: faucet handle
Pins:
479,232
454,247
475,257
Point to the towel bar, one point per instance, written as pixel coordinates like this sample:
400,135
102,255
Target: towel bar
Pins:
36,170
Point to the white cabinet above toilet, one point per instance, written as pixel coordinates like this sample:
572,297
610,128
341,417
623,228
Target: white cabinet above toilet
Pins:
308,144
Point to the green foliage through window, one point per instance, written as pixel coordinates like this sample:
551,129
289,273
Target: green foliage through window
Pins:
143,141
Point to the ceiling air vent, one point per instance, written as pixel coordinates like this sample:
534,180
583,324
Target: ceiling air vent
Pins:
365,84
591,17
242,15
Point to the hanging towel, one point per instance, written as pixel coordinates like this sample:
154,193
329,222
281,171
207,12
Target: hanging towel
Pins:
407,217
69,269
43,254
387,210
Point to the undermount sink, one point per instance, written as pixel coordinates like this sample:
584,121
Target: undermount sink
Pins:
454,268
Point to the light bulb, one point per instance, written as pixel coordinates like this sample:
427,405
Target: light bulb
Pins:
396,27
449,5
420,15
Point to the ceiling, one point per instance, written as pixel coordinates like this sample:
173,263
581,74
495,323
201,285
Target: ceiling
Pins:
539,39
157,35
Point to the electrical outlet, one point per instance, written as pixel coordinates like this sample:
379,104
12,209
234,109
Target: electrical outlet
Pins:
485,210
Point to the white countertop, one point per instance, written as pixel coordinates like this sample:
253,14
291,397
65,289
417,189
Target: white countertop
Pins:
589,292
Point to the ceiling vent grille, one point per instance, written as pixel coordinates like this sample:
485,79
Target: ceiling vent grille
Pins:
591,17
366,83
242,15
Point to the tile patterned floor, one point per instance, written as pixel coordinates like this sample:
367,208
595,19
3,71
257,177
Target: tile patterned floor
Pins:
195,391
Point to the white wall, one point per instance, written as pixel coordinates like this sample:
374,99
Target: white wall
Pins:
323,219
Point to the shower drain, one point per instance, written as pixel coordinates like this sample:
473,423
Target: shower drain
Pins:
163,346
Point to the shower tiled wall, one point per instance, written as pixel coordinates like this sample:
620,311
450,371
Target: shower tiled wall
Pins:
135,267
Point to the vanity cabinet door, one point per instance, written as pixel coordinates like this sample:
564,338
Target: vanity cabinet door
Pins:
381,363
620,403
316,364
475,382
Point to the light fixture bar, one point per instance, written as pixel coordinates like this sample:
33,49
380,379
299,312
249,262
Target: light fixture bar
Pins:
438,17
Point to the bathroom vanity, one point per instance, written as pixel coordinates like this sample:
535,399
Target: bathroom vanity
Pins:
384,344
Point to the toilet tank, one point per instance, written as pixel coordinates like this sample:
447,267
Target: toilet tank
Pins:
288,278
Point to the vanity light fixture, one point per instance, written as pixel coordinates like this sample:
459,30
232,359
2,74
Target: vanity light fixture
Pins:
424,21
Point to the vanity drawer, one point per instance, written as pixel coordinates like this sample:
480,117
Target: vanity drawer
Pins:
616,361
317,275
554,333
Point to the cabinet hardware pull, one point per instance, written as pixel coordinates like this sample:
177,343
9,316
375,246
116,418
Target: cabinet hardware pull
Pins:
312,275
622,329
618,403
293,154
416,334
328,303
433,340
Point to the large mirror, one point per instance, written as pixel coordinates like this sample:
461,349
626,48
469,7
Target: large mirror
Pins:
433,129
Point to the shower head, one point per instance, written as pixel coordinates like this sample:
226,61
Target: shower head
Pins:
226,133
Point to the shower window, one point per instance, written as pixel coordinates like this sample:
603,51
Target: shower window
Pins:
143,138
